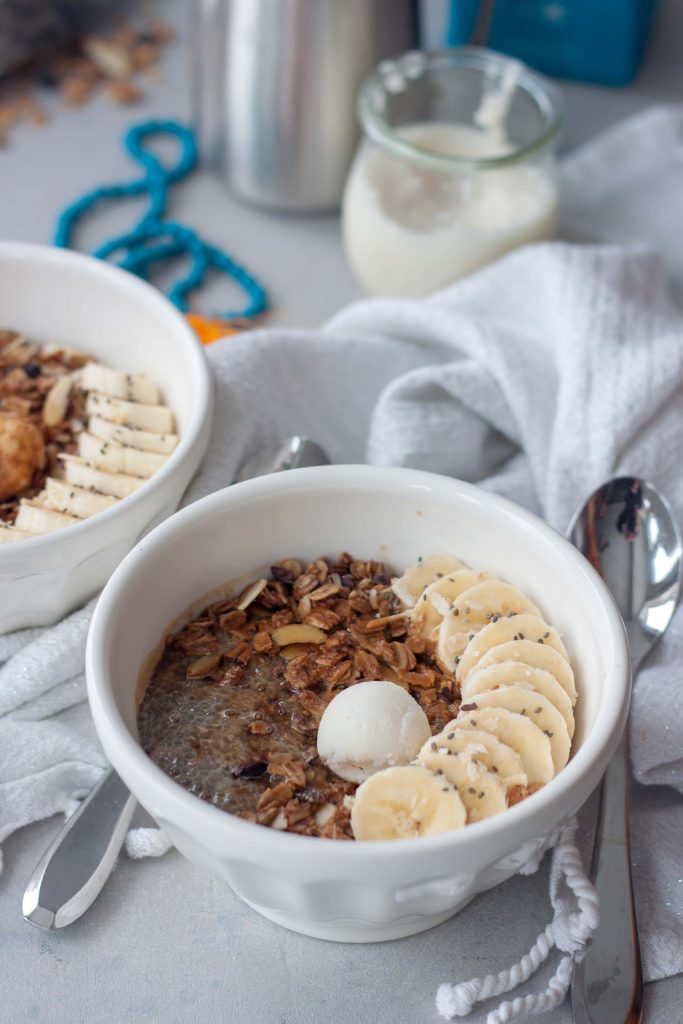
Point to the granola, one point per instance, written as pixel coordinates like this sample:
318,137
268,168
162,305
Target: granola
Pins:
232,709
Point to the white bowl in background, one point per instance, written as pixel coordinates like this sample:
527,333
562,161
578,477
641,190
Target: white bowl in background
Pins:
362,891
56,296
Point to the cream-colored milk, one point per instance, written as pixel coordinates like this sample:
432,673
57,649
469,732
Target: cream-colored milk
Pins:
409,230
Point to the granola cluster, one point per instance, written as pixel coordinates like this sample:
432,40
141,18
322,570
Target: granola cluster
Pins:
119,62
31,437
233,707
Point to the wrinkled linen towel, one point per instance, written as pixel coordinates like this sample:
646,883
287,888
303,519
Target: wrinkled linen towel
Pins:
538,378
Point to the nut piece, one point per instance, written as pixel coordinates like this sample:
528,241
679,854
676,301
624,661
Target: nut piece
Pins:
123,92
22,452
250,593
202,666
109,57
298,633
303,608
262,642
325,814
293,651
57,401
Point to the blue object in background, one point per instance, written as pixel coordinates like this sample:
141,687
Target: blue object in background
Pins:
599,41
154,239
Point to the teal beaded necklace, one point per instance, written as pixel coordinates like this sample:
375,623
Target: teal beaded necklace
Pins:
154,239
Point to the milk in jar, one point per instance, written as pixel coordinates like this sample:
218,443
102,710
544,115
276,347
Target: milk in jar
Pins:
429,202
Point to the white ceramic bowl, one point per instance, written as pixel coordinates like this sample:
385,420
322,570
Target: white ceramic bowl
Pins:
329,889
54,295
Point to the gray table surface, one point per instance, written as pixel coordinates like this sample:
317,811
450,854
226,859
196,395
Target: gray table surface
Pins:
165,942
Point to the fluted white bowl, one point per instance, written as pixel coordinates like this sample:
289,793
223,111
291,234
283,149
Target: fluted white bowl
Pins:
363,891
56,296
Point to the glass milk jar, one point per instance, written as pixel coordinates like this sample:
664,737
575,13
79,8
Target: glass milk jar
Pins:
457,167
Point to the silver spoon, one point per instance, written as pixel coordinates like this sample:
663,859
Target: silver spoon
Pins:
73,870
628,533
295,452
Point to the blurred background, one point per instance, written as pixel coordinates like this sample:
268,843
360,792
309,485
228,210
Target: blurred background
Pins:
271,91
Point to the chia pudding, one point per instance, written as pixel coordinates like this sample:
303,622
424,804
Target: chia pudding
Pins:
232,708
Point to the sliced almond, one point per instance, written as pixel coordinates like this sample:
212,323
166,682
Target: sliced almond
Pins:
323,815
57,401
109,57
280,821
304,607
250,593
293,651
202,666
298,633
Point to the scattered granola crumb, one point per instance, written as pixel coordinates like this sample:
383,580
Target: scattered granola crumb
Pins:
124,93
115,60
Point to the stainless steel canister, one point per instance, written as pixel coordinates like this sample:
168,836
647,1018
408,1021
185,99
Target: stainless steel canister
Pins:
275,86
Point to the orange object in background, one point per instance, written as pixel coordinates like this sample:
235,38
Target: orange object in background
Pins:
208,329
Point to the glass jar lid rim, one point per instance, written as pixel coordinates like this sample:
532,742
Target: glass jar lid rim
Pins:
412,64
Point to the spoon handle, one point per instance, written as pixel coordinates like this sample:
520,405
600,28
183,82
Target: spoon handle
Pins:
74,869
607,987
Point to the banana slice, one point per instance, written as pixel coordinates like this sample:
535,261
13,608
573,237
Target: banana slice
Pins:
9,534
118,458
537,655
519,627
516,731
78,472
481,791
410,585
406,802
133,387
145,440
35,518
486,748
435,600
472,611
74,501
535,707
516,673
156,418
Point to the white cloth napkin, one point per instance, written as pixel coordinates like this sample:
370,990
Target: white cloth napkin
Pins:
539,377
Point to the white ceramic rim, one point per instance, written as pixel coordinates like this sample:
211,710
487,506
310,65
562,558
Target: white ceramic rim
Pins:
200,380
530,815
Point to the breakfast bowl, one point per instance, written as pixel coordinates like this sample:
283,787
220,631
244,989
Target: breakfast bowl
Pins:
61,298
358,891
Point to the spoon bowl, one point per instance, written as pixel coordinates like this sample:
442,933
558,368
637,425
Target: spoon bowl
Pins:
628,532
